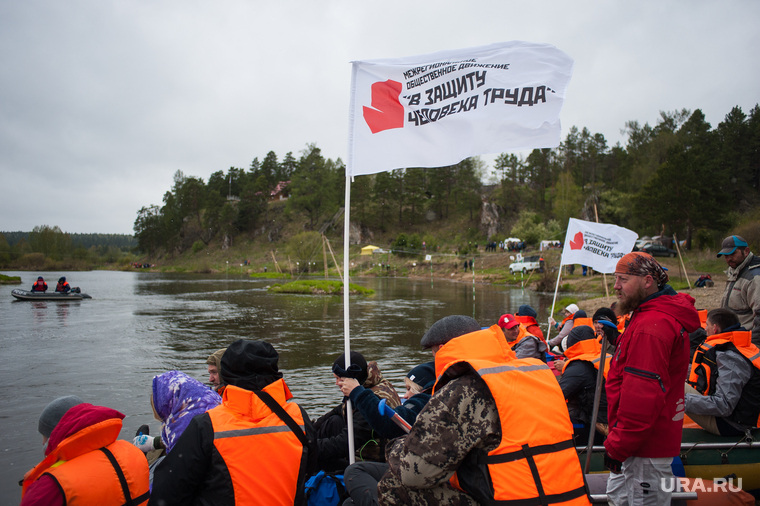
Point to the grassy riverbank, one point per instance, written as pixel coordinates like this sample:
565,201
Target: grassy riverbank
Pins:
319,287
263,260
9,280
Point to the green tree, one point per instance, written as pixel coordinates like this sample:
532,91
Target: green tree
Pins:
149,230
287,167
531,228
385,195
316,186
303,247
415,187
568,198
269,169
677,196
50,241
5,251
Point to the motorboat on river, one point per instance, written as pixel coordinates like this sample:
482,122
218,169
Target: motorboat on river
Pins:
74,294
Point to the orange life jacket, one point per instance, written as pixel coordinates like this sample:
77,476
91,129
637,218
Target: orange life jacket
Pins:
522,334
622,321
564,320
532,325
535,462
704,373
244,427
494,348
703,365
93,467
583,321
589,350
703,317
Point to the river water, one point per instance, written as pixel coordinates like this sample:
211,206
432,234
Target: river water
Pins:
107,349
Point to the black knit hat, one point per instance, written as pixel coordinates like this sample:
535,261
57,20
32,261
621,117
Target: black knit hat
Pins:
250,364
579,314
447,328
526,310
605,313
423,375
357,369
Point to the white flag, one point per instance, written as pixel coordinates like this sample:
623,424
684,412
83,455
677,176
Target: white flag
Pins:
598,245
437,109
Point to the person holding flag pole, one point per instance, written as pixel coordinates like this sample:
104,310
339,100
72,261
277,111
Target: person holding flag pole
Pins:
600,246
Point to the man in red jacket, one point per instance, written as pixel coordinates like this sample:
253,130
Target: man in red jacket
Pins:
645,383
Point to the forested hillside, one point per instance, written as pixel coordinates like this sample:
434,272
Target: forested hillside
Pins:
48,247
679,176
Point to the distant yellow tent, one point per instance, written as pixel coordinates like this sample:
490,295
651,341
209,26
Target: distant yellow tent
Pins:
367,250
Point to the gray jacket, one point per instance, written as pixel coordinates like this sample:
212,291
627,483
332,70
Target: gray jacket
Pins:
742,294
734,372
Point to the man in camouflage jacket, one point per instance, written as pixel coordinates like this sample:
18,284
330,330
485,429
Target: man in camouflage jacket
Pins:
420,469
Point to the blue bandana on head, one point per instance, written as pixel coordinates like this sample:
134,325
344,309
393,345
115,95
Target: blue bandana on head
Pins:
177,398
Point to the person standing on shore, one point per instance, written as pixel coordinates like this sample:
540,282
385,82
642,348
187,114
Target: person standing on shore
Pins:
645,383
742,293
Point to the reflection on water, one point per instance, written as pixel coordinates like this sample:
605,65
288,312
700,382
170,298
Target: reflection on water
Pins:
107,349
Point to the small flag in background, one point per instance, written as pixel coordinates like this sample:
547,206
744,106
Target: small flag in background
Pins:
598,245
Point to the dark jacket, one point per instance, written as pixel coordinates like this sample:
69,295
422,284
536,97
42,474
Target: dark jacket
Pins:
578,384
366,402
332,439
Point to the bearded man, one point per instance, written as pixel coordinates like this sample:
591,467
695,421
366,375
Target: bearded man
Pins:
742,293
645,383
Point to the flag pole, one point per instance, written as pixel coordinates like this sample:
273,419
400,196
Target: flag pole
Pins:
554,301
597,400
346,320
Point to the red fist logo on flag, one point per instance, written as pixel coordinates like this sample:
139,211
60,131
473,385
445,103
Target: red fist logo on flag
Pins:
577,242
386,111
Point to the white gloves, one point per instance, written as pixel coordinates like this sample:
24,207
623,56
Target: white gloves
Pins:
144,443
552,321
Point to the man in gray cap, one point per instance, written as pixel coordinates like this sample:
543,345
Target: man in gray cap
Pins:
53,413
742,293
479,423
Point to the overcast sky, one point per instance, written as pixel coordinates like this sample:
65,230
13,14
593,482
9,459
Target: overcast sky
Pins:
102,101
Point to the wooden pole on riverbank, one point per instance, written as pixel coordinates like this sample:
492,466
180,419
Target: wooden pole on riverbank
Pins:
680,257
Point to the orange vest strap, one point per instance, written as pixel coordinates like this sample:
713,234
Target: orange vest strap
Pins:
130,501
298,430
527,451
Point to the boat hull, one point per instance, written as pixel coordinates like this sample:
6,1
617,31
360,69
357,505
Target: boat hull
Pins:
28,295
704,455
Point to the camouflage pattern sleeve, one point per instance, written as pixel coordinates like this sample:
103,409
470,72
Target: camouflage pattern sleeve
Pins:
459,417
